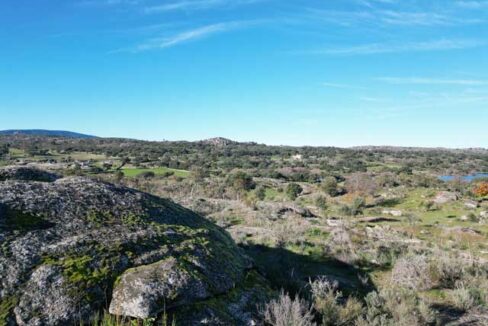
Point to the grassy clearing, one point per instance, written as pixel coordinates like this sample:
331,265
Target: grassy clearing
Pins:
134,172
378,166
272,194
16,153
83,156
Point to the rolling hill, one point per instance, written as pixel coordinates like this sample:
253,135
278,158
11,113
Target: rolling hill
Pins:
43,132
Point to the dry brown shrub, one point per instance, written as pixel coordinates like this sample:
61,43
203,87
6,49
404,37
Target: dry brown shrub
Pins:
285,311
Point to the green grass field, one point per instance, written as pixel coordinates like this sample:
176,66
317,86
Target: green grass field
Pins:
16,153
133,172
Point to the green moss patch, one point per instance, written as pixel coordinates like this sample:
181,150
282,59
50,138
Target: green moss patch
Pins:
7,304
101,218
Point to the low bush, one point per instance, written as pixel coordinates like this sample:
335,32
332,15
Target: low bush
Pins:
413,272
285,311
326,300
396,307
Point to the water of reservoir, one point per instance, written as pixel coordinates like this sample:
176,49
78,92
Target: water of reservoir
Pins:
466,178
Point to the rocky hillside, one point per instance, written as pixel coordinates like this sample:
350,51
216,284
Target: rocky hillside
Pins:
72,247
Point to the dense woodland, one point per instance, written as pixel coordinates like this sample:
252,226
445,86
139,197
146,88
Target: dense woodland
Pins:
223,155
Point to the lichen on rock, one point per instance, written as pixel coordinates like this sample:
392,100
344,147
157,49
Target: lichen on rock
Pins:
72,247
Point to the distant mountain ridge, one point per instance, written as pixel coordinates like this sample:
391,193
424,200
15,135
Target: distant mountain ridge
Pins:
44,132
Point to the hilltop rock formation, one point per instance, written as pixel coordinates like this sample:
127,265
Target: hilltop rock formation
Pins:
72,247
218,141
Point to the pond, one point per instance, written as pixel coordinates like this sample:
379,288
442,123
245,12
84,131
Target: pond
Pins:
466,178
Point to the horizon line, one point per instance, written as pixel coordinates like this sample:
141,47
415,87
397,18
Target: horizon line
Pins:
364,146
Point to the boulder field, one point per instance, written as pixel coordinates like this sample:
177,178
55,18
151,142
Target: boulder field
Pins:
73,247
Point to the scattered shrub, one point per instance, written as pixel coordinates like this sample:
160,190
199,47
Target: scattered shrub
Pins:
261,193
361,183
146,175
321,202
413,272
326,300
392,307
355,208
463,298
284,311
481,189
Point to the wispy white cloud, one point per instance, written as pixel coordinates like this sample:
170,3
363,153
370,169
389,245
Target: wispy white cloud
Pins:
196,5
187,36
372,3
430,99
393,15
440,101
184,5
341,86
108,2
422,18
472,4
379,48
432,81
373,99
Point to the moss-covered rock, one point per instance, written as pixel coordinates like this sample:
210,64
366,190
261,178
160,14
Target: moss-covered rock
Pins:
240,306
73,247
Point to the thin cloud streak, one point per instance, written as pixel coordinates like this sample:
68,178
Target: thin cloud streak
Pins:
390,17
342,86
432,81
108,2
441,102
186,36
404,18
196,5
380,48
472,4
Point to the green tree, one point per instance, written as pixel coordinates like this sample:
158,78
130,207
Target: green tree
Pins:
119,175
293,190
107,166
146,175
123,162
329,185
4,150
321,202
241,181
261,193
199,174
354,209
357,206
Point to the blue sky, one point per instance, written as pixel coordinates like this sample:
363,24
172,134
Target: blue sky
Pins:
328,72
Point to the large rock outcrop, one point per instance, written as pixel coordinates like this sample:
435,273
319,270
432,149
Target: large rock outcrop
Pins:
72,247
27,174
444,197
